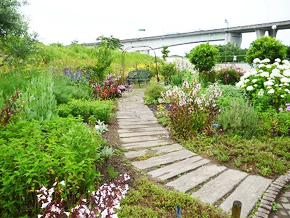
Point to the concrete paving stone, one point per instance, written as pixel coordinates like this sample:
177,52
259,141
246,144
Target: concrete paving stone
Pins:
137,119
262,210
248,192
176,172
261,215
133,154
286,206
167,148
130,123
147,144
177,168
198,176
142,129
219,186
149,133
137,126
139,139
163,159
268,207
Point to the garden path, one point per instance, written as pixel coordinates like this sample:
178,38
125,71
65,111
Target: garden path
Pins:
149,148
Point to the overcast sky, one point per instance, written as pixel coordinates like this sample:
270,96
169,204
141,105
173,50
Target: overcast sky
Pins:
67,20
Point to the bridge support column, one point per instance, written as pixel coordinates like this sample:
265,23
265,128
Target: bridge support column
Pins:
234,38
272,33
260,33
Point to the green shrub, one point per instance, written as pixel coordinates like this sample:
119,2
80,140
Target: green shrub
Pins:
64,89
168,70
266,47
62,148
101,110
204,57
229,92
239,118
39,100
229,75
153,93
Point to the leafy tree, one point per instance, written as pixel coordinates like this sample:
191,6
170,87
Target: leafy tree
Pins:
112,43
226,52
266,47
165,52
168,70
103,54
11,21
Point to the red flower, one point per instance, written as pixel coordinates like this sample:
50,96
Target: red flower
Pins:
112,90
106,93
98,88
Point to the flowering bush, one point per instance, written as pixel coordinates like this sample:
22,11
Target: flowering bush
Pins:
98,204
110,89
229,75
191,111
270,81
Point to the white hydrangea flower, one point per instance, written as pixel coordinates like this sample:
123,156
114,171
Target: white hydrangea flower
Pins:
265,74
285,80
261,65
247,74
268,83
268,66
286,73
261,92
278,60
256,60
285,62
271,91
254,80
282,96
267,60
249,88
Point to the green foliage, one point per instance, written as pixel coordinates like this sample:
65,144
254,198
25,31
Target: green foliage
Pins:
153,93
266,47
147,199
165,52
203,57
101,110
239,118
62,148
168,70
39,100
265,157
229,75
229,93
228,51
11,20
274,123
112,42
103,55
64,89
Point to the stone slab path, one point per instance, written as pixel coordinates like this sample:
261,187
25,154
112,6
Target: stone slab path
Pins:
150,149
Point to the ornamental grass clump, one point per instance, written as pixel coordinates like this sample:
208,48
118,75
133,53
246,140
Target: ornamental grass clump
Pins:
268,84
191,111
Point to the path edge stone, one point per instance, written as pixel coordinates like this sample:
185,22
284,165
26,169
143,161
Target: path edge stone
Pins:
269,197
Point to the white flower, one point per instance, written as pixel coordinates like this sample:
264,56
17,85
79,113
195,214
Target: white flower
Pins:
268,83
261,65
249,88
256,60
62,183
277,60
286,73
268,66
267,60
287,90
285,80
285,62
254,80
282,96
271,91
275,73
264,74
261,92
255,85
247,74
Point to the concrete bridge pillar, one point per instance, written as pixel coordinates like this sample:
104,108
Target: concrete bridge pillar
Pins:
272,32
260,33
234,38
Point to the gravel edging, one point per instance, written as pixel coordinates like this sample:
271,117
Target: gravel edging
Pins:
270,196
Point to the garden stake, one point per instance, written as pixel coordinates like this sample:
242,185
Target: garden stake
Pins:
178,211
236,209
215,126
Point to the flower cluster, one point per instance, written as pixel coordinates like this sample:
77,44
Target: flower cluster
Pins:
268,79
190,95
101,203
110,89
